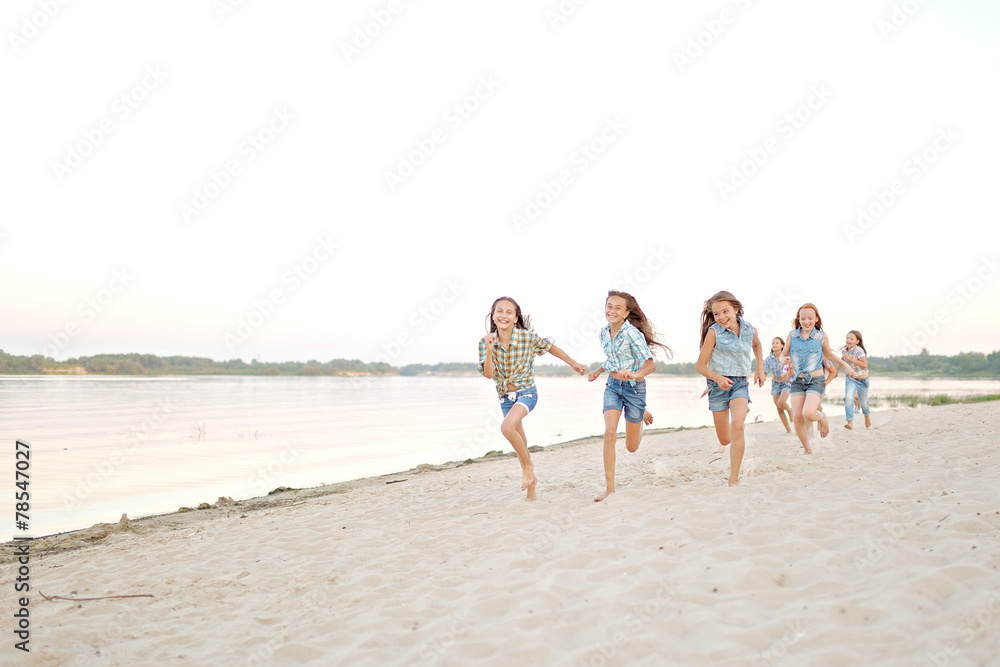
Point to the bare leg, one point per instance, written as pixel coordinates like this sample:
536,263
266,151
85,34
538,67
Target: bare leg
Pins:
812,410
738,408
800,422
611,418
722,429
781,413
512,429
633,436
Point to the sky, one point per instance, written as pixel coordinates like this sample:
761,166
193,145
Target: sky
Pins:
314,180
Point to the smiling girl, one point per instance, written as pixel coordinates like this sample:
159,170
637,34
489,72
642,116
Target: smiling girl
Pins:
856,386
775,365
726,342
808,346
506,355
626,341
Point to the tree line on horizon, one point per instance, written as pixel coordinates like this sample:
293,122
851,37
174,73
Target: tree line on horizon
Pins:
975,364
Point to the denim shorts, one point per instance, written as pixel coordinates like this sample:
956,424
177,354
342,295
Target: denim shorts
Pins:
526,397
778,387
816,386
718,398
622,396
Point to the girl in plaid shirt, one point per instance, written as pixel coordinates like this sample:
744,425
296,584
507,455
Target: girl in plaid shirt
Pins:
507,356
626,341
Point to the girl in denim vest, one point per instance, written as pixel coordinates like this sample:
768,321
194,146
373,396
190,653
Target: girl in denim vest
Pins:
856,386
627,340
726,342
807,346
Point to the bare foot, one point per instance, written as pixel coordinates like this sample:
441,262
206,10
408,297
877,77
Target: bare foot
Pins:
528,480
868,421
732,483
647,417
824,427
531,489
721,449
849,426
601,497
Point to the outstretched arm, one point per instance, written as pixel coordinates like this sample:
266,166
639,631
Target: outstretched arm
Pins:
557,352
834,359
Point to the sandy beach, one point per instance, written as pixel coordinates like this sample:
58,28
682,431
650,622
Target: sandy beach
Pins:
879,549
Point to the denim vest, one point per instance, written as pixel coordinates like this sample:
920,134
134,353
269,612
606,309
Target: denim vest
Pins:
807,355
731,356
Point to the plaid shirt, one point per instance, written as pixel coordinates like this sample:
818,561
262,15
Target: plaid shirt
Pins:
774,367
627,351
851,354
515,365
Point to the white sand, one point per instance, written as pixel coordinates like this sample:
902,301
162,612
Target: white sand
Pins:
881,548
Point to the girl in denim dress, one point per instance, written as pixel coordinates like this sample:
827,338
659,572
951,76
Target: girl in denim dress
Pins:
726,342
627,340
808,346
507,356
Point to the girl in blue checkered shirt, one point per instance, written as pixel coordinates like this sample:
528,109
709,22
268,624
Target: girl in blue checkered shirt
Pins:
627,340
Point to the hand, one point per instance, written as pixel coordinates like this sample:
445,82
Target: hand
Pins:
594,375
627,375
490,338
724,382
579,368
760,378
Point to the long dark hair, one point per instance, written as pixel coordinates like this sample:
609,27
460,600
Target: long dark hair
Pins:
640,321
819,320
861,341
521,322
708,319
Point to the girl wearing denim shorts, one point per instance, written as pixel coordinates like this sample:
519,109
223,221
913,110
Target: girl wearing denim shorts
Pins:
726,342
856,385
779,387
507,356
807,346
626,341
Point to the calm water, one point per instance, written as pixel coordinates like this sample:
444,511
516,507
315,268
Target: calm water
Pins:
103,446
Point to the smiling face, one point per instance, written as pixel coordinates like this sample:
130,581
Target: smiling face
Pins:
851,340
777,345
807,318
505,315
615,310
724,314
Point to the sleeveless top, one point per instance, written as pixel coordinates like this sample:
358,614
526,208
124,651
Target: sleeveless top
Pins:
807,355
731,356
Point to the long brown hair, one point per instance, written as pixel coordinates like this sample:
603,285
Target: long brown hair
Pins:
819,320
708,319
639,320
521,322
861,341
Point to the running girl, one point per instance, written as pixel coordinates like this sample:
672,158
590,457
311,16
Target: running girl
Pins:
779,387
808,346
856,385
626,341
726,342
506,355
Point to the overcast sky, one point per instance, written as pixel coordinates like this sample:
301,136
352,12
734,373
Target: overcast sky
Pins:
314,180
